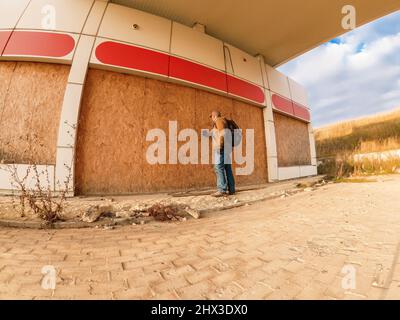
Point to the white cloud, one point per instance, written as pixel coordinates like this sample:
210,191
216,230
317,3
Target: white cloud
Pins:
375,53
357,76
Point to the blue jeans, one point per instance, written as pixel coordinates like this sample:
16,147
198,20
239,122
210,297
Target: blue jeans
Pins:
223,171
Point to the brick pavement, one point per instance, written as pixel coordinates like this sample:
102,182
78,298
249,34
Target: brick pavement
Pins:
291,248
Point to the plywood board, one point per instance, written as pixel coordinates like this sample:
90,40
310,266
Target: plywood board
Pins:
292,141
167,102
31,96
249,117
108,155
118,111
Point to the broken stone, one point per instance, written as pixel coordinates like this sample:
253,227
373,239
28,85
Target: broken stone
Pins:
144,214
139,207
92,214
126,207
376,284
122,214
194,213
106,208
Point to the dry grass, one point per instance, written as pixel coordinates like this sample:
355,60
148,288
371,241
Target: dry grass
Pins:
337,144
339,167
345,128
370,134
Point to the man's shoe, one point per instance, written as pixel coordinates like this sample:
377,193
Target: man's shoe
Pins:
231,193
218,194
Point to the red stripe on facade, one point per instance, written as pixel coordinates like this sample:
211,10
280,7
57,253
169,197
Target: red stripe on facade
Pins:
301,112
127,56
47,44
282,104
196,73
40,44
245,89
4,36
132,57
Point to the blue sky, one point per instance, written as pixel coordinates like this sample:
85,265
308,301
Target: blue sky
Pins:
354,75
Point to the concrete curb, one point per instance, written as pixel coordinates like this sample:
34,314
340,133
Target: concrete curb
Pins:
121,221
65,224
241,204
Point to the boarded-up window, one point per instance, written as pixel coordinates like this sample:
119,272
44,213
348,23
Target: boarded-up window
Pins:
292,141
117,112
31,96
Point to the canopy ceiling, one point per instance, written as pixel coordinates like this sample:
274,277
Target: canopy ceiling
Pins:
278,29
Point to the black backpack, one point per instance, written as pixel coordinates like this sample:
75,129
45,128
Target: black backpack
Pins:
236,135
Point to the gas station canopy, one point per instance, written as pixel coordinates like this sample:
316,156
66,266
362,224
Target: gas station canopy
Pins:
280,30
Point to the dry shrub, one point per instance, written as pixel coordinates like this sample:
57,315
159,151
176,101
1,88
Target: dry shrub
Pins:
162,212
345,166
336,168
42,200
368,166
32,187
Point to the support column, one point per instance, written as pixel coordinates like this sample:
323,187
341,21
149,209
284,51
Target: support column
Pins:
67,133
269,127
270,140
312,146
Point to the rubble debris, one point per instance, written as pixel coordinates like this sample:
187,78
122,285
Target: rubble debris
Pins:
122,214
164,212
301,185
284,195
140,207
172,211
194,213
129,210
93,213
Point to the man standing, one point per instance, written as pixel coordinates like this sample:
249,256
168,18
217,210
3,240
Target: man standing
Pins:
222,156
